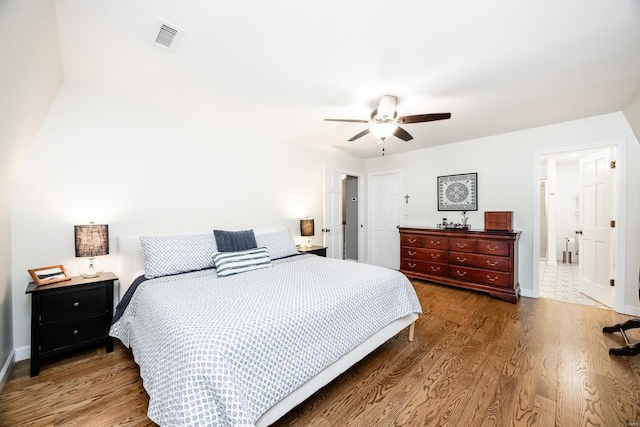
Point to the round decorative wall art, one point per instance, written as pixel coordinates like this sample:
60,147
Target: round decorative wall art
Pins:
458,192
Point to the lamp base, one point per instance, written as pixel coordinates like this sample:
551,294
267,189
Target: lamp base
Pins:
308,244
90,267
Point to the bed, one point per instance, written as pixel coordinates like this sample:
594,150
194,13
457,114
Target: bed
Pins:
245,348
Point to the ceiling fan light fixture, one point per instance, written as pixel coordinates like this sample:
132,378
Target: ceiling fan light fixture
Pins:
383,130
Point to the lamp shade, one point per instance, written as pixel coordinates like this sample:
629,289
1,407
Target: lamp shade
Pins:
307,227
383,130
92,240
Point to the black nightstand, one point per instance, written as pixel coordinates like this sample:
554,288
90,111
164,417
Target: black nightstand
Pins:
316,250
66,316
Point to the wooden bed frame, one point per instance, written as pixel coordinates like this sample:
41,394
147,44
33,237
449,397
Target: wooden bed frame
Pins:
131,264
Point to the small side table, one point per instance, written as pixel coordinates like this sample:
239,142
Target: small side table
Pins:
316,250
69,315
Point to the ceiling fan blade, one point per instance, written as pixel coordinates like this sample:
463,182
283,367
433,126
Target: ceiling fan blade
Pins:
402,134
419,118
360,135
347,120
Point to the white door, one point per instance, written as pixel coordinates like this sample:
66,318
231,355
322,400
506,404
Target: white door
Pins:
332,220
384,217
595,266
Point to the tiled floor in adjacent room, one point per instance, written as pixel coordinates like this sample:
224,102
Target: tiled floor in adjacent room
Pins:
560,282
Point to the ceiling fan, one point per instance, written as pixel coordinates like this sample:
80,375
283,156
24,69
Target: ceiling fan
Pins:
384,120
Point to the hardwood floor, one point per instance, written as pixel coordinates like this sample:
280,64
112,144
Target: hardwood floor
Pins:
475,361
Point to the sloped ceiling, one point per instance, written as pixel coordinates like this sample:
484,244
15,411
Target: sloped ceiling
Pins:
283,66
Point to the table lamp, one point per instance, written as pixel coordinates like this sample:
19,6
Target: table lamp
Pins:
91,241
307,229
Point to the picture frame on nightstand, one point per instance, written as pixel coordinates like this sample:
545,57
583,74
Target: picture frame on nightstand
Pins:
48,275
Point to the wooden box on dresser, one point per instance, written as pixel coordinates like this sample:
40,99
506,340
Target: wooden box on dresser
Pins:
484,261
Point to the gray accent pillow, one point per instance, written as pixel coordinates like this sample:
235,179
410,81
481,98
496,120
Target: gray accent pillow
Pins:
280,243
177,253
234,241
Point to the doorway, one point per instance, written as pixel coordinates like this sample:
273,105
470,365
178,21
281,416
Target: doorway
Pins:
350,226
565,264
343,218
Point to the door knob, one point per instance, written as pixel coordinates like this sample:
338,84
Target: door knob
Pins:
578,231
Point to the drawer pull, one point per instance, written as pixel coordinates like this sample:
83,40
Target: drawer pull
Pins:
412,265
493,279
435,268
461,273
492,248
435,256
76,304
492,264
413,240
412,253
434,242
464,245
76,332
461,259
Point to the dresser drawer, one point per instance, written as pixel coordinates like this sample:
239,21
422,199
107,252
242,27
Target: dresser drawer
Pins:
413,240
479,261
431,255
65,334
73,305
493,247
425,267
462,245
435,242
495,278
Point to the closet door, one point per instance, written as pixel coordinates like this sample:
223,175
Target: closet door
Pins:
384,218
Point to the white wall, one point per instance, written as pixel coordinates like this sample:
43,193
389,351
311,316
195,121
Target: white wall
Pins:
30,76
140,169
632,112
505,167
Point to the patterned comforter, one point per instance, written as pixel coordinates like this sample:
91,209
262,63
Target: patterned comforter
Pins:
220,351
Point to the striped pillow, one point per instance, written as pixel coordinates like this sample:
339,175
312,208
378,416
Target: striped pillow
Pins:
228,263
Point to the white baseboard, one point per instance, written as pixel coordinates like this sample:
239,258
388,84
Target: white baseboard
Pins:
23,353
526,293
6,369
632,310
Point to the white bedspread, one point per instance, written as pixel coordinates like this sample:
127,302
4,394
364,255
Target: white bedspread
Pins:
221,351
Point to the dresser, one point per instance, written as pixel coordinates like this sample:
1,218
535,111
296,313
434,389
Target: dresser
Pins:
485,261
69,315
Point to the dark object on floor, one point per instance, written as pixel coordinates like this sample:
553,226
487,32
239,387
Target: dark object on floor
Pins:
630,349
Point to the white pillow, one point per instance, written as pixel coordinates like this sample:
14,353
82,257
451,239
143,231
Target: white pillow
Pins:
228,263
280,243
177,253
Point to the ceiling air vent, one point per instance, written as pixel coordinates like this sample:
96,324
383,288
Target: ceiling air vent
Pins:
166,35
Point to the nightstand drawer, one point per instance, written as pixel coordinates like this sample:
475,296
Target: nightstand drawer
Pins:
73,305
65,334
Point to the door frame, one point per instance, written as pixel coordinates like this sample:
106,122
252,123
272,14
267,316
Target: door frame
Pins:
618,214
361,200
